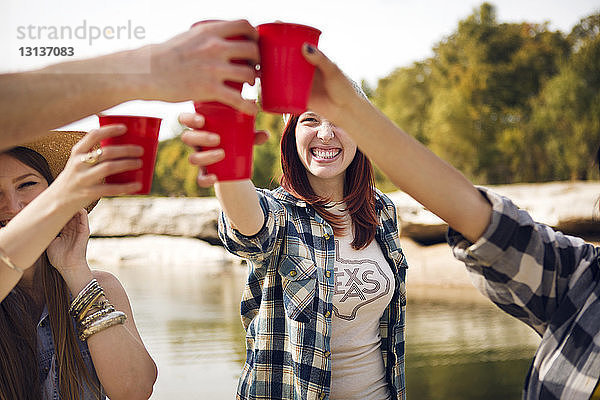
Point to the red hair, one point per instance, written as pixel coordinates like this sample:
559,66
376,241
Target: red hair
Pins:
359,192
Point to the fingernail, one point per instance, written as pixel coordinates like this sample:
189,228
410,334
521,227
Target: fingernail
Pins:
310,49
198,119
213,139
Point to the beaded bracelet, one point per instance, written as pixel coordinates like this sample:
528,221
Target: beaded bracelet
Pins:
91,318
114,318
98,306
8,262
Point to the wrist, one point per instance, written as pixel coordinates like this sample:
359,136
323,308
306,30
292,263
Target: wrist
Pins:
352,112
136,81
60,205
77,278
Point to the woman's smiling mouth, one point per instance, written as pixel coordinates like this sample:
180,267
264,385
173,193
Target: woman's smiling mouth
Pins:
325,154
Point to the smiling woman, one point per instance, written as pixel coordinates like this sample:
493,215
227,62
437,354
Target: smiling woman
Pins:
53,346
324,304
321,164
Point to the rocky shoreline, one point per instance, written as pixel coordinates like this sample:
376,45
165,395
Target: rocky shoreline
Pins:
183,231
567,206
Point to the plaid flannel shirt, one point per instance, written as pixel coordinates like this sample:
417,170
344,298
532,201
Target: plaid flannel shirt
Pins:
549,281
287,302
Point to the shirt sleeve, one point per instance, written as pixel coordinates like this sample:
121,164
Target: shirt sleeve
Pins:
529,270
259,246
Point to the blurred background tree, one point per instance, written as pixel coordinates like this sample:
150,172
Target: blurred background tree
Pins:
503,102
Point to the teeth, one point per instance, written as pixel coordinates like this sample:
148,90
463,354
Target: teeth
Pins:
329,153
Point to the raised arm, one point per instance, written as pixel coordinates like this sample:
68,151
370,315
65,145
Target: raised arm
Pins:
121,361
238,198
190,66
409,165
30,231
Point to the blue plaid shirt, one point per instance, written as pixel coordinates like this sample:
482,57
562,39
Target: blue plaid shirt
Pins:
287,302
548,280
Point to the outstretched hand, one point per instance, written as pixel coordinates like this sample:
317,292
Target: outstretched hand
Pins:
196,138
332,92
81,183
196,64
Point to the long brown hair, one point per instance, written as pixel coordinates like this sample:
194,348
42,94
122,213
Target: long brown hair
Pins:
19,378
359,192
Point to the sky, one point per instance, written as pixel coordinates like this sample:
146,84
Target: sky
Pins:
368,39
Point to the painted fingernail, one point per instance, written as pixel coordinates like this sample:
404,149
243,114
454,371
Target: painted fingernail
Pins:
310,49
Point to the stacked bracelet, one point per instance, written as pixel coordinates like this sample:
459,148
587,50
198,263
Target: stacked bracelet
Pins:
8,262
84,298
114,318
93,312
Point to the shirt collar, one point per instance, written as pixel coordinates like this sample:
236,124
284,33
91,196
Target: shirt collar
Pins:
282,194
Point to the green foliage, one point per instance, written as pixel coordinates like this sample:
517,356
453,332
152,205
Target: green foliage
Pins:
499,100
173,174
566,115
267,160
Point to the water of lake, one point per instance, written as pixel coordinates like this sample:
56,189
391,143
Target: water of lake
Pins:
459,346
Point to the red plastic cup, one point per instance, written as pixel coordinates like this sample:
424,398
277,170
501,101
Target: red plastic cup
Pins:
285,76
236,130
236,85
141,131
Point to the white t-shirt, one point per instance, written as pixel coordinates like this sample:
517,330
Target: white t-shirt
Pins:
364,286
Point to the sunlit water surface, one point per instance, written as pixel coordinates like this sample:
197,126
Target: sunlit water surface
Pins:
457,348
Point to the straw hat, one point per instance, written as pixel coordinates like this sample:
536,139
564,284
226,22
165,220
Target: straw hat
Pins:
56,147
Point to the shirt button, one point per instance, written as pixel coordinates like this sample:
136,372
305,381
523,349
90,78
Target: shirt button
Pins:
326,236
328,274
322,396
293,273
328,314
327,354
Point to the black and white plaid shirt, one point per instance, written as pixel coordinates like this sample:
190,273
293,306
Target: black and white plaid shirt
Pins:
548,280
287,302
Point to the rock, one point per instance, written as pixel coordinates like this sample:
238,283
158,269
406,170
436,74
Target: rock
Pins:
566,206
171,216
157,250
570,207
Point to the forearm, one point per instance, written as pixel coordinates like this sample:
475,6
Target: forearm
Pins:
241,206
29,233
417,171
124,367
122,363
32,103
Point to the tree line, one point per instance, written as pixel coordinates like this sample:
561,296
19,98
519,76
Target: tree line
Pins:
503,102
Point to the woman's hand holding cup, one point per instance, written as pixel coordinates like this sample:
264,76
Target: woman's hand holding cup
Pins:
82,180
